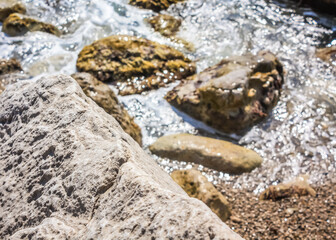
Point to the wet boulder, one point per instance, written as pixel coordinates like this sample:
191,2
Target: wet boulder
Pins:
155,5
212,153
7,7
233,95
327,54
8,69
102,94
69,171
17,25
134,64
197,186
165,24
296,188
327,6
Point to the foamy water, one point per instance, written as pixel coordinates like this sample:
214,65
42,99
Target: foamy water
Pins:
298,137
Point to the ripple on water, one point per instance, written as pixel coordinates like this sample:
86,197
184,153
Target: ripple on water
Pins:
299,137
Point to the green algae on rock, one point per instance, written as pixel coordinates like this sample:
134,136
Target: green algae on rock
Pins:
7,7
165,24
102,94
155,5
212,153
233,95
197,186
17,25
135,64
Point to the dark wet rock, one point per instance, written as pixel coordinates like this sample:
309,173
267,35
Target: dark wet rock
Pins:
134,64
327,54
327,6
212,153
7,7
17,25
7,69
155,5
165,24
102,94
69,171
295,188
198,186
233,95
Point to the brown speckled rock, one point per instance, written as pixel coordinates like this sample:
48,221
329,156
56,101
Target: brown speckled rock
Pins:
233,95
155,5
134,64
102,94
198,186
327,54
212,153
7,7
297,187
69,171
17,25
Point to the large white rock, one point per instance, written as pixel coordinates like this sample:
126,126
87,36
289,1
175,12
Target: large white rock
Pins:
68,171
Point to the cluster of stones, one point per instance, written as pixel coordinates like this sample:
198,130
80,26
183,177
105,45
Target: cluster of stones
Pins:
15,23
102,165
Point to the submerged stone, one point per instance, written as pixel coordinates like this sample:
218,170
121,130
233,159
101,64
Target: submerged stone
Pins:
296,188
7,7
212,153
102,94
68,171
165,24
233,95
134,64
155,5
17,25
198,186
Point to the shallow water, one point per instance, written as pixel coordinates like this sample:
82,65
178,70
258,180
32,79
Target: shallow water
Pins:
300,135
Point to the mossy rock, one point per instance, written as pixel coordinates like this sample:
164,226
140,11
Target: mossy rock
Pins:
134,64
17,25
7,69
165,24
155,5
233,95
7,7
102,94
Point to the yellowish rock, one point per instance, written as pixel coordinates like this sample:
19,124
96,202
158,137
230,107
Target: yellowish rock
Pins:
155,5
7,7
134,64
17,25
297,187
212,153
197,186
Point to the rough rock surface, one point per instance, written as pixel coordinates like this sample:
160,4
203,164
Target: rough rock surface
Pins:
233,95
102,94
7,68
198,186
17,25
297,187
165,24
155,5
212,153
137,64
7,7
327,54
68,171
